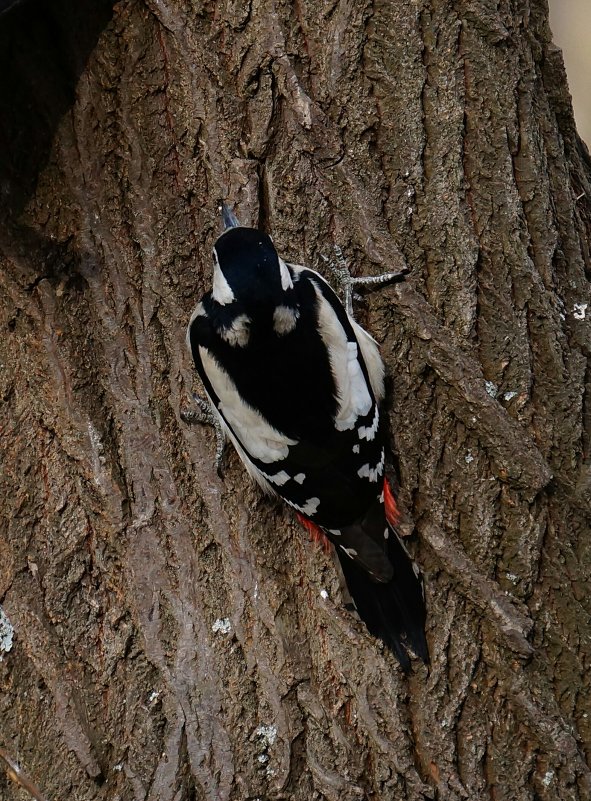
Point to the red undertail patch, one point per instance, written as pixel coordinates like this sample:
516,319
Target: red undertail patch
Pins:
315,532
390,506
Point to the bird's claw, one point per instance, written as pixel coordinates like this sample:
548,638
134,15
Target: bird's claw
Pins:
204,416
346,281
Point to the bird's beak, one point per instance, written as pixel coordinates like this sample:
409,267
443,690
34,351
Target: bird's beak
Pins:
229,218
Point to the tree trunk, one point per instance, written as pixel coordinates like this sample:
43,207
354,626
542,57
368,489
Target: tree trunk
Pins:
173,636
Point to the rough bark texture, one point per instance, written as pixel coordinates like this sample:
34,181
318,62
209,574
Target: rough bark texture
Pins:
171,638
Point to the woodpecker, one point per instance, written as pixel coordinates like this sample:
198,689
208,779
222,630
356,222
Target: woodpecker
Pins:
296,384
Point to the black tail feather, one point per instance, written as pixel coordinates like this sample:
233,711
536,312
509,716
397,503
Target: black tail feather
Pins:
394,611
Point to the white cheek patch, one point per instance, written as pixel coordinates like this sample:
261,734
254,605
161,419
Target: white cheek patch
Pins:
300,478
221,290
238,333
284,319
258,437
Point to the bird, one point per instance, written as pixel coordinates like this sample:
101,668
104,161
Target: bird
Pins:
296,384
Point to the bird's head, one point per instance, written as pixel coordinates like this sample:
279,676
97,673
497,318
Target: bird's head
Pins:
248,270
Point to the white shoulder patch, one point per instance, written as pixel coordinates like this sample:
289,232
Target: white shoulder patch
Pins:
198,311
258,438
352,391
367,345
371,357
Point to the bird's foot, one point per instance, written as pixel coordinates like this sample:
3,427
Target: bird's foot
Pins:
346,282
204,416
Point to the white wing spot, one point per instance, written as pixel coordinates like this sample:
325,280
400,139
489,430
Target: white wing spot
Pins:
369,432
309,508
386,533
335,532
279,478
300,478
373,473
350,552
355,448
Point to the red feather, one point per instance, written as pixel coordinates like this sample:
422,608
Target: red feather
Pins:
315,532
390,505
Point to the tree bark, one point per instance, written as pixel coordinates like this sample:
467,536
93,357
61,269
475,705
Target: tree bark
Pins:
173,636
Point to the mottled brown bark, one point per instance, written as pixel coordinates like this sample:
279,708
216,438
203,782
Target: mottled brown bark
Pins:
172,640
